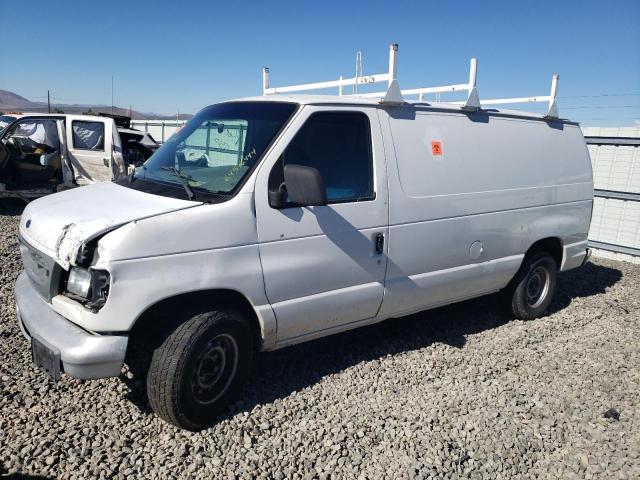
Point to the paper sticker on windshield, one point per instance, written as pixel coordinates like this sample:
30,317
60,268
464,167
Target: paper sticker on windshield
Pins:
436,148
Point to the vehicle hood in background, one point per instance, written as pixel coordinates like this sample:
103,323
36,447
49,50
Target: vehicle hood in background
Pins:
59,224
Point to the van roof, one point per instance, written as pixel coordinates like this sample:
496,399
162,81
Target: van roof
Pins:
303,99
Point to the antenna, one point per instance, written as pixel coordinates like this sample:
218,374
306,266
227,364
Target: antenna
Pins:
265,80
111,94
358,71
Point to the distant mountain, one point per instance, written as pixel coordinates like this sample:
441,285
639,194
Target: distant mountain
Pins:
12,102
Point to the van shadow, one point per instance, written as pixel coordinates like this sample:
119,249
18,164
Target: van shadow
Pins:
23,476
591,279
280,373
20,476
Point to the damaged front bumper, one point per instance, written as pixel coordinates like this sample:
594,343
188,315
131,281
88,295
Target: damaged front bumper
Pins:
82,354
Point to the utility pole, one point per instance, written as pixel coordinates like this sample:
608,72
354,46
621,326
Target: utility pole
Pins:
48,102
129,110
111,94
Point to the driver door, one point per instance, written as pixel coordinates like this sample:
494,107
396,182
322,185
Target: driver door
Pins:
324,266
91,148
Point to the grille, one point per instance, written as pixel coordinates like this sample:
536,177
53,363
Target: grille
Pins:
42,270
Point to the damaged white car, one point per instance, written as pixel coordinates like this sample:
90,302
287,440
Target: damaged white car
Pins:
47,153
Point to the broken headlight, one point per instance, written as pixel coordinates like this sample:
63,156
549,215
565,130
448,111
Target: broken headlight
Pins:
89,286
79,282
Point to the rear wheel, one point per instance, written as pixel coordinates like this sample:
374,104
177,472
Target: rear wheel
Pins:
531,291
199,368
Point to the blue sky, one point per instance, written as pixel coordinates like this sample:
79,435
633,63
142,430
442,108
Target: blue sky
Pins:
169,56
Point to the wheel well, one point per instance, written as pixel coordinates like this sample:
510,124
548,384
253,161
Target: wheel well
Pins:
552,245
160,319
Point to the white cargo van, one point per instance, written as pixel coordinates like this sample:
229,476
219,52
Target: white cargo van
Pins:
44,153
274,220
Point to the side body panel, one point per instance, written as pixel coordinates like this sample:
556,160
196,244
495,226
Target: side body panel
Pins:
321,269
469,194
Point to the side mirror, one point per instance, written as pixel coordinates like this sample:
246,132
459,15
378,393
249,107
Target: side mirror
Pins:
277,198
305,186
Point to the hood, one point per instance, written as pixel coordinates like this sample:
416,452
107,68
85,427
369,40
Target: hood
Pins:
59,224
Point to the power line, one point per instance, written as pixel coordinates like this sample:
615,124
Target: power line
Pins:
602,95
609,118
602,107
582,107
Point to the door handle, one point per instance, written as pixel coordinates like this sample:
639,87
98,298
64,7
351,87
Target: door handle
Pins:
379,241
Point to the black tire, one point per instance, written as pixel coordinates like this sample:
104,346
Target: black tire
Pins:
199,368
531,291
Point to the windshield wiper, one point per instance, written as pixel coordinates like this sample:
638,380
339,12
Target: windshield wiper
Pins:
185,183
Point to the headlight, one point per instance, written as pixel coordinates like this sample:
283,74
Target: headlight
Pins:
79,282
89,286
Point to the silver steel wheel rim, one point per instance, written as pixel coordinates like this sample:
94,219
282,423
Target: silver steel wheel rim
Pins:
537,286
215,369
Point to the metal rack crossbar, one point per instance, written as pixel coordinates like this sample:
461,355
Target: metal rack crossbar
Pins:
388,77
394,95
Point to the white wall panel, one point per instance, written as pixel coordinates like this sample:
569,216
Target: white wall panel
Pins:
160,130
616,221
616,168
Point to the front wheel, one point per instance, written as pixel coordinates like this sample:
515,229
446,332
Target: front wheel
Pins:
531,291
199,368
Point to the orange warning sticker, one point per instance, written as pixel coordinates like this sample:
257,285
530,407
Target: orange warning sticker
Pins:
436,148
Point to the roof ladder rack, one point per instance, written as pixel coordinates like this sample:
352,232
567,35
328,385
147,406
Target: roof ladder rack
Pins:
393,91
552,111
472,102
393,94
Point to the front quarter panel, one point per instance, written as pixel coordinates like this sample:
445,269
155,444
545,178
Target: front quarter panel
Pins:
208,247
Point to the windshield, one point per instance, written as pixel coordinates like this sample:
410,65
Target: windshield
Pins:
216,149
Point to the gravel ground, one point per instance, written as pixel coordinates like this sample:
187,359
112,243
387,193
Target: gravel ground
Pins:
458,392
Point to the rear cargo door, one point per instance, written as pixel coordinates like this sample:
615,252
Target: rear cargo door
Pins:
90,146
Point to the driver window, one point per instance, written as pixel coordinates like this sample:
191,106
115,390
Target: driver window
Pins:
338,144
